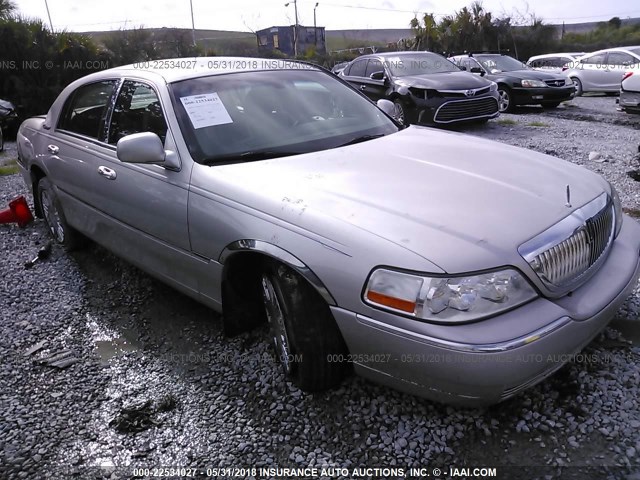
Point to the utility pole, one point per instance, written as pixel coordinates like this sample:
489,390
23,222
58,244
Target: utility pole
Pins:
193,25
295,27
315,30
46,4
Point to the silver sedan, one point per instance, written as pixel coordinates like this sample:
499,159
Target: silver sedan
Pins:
451,267
603,70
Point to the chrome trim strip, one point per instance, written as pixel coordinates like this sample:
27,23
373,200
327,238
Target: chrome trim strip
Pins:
467,347
282,255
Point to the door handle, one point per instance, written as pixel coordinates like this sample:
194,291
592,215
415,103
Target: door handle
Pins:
53,149
107,173
363,87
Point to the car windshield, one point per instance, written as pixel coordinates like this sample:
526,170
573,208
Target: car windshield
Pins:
635,50
500,63
249,116
418,64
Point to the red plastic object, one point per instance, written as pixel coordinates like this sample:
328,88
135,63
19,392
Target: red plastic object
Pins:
17,212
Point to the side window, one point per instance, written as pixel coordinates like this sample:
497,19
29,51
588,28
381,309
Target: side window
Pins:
373,66
358,68
137,110
621,59
469,63
85,110
597,59
551,62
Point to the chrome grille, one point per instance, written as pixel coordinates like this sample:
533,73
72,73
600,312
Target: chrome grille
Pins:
555,83
458,110
465,93
567,261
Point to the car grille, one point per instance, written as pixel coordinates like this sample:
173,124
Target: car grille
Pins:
458,110
465,93
555,83
564,263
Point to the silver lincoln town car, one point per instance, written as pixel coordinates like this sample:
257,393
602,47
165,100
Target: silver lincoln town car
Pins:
448,266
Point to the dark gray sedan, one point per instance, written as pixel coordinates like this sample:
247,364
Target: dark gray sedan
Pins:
426,88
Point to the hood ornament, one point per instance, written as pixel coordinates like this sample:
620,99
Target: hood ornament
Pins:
568,204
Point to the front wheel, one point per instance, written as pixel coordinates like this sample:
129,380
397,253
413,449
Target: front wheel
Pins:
54,217
400,113
577,85
505,100
306,338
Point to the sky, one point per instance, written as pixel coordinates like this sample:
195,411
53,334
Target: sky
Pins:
252,15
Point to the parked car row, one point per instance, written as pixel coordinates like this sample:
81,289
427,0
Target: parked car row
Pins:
424,87
599,71
427,88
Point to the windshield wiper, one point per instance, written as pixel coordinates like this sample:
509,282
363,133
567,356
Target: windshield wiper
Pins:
363,138
249,156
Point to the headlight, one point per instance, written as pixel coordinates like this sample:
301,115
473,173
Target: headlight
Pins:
493,87
617,210
448,299
533,83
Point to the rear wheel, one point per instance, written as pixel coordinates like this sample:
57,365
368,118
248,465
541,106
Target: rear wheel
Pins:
578,86
53,215
505,100
306,338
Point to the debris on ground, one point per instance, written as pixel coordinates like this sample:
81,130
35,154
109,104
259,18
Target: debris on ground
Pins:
138,417
43,254
58,359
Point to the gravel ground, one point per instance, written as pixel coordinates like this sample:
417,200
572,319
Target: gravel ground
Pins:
156,384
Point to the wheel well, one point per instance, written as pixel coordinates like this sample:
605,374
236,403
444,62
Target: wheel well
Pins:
242,307
36,175
242,304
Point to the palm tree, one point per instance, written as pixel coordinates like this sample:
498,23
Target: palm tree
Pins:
7,9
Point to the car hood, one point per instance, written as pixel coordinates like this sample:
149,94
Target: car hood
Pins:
529,74
461,202
443,81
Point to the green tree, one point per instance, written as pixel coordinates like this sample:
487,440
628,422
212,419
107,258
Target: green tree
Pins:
7,9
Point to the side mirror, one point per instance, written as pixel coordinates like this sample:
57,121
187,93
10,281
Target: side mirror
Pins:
145,147
477,70
463,68
377,75
386,106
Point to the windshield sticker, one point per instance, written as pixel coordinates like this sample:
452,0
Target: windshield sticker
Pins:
205,110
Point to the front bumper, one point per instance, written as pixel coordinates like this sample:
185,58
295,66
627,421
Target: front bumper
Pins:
466,366
629,101
536,96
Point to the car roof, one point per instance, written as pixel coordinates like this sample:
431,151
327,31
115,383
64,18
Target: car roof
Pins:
617,49
396,54
176,69
559,54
